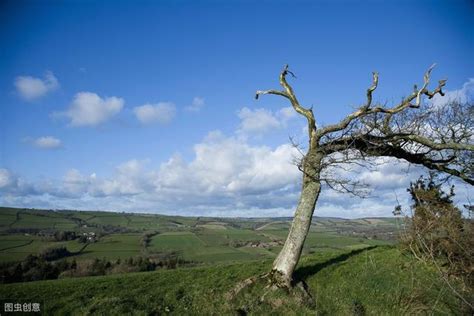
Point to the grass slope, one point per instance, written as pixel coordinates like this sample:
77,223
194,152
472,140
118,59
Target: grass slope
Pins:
378,281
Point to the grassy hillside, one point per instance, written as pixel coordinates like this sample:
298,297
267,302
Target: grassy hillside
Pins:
374,281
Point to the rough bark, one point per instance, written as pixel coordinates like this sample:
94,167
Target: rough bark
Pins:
286,262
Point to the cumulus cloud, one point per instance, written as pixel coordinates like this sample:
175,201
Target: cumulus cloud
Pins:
226,174
196,105
89,109
390,174
10,183
261,121
73,185
286,114
257,121
226,165
30,88
131,178
226,177
47,142
462,95
161,113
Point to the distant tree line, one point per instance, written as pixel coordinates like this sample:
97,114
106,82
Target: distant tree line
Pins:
47,265
66,235
146,238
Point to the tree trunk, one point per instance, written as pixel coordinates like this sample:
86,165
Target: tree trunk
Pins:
285,264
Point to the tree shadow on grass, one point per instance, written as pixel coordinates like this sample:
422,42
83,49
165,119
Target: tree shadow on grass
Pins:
303,273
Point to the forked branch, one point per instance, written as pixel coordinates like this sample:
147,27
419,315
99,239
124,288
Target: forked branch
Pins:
290,95
367,110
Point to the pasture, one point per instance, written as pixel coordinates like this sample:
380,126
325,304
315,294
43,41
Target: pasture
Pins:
201,240
388,283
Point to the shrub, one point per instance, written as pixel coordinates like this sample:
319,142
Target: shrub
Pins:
55,253
437,233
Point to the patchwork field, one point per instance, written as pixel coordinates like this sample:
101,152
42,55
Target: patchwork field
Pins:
196,239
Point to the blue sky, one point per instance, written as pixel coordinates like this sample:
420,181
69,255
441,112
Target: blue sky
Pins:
148,106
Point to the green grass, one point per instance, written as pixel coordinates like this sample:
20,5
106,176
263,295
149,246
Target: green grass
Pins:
193,248
18,247
177,241
207,240
115,246
112,219
381,280
205,245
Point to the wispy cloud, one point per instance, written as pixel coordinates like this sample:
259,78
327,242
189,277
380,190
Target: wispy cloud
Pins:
46,142
196,105
463,95
161,113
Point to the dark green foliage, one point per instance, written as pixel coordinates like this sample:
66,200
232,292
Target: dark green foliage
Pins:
35,268
55,253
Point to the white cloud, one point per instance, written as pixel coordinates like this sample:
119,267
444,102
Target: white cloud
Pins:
196,105
225,165
390,174
232,166
257,122
10,183
5,178
89,109
47,142
463,95
261,121
162,113
130,178
286,114
74,184
226,175
31,88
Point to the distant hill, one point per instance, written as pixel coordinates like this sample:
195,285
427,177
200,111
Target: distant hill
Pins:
198,239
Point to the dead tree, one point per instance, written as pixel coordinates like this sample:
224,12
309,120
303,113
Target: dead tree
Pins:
438,138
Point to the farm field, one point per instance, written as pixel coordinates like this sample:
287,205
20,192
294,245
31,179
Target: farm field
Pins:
196,239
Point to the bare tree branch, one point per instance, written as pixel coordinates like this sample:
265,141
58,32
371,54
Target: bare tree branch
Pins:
290,95
366,110
371,89
380,147
276,92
